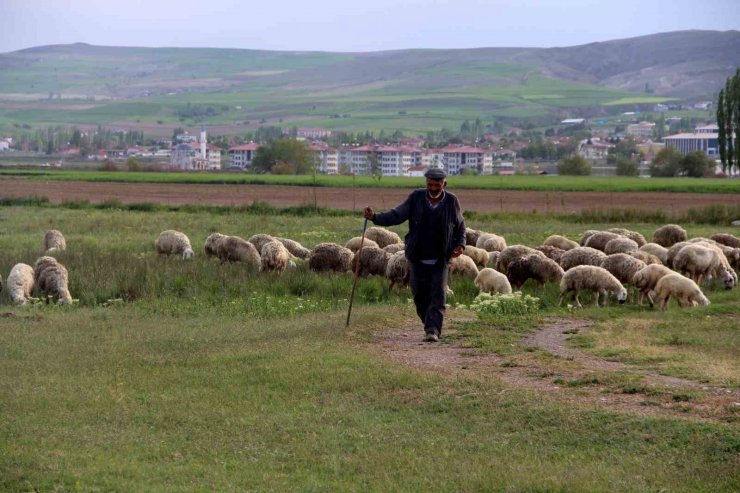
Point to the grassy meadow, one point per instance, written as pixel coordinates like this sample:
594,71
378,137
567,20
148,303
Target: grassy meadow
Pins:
176,376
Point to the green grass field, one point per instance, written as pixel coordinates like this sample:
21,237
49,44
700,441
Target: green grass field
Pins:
173,376
553,183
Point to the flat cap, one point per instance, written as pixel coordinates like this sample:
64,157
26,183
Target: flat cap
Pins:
435,174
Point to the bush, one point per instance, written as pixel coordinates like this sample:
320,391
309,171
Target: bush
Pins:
666,163
516,304
625,167
576,166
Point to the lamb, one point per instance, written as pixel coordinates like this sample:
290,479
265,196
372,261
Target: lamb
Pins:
657,250
373,261
697,261
560,242
491,281
581,256
20,283
600,239
259,240
646,257
479,255
586,235
686,291
646,278
551,252
669,235
471,236
54,241
539,268
394,248
491,242
383,237
464,265
274,257
632,235
52,280
171,242
591,278
211,245
236,249
727,239
512,253
295,248
354,243
620,245
622,266
330,257
397,270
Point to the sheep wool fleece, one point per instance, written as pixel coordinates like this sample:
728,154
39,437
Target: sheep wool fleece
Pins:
434,232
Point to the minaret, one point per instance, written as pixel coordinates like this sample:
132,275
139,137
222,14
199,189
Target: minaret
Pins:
203,142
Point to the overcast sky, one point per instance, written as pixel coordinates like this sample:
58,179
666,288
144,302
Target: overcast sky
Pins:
351,25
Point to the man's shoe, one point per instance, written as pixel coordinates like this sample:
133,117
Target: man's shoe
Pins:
431,337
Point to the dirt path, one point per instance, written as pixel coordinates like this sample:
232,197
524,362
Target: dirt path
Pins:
559,378
348,198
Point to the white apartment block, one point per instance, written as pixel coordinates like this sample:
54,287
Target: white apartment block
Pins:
459,158
242,156
642,129
327,158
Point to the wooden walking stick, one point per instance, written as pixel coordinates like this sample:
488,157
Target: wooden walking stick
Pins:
357,273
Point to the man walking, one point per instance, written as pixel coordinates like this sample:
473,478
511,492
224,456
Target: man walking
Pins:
436,234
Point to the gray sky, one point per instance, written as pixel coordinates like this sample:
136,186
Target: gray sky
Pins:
351,25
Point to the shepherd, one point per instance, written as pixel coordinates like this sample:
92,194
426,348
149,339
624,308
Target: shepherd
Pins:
436,235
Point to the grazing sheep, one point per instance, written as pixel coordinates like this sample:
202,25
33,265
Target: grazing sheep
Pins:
686,291
696,261
729,257
479,255
586,235
512,253
551,252
236,249
646,278
646,257
471,236
259,240
354,243
727,239
493,259
581,256
373,261
397,270
20,283
211,245
669,235
620,245
383,237
632,235
330,257
295,248
53,281
622,266
54,241
464,265
394,248
491,242
491,281
539,268
171,242
591,278
560,242
41,264
600,239
657,250
673,251
274,257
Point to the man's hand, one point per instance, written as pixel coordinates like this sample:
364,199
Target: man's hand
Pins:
459,249
369,213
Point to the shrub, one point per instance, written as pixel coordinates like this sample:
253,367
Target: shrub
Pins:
626,167
516,304
576,166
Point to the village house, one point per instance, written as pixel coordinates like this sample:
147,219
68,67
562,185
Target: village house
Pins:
594,149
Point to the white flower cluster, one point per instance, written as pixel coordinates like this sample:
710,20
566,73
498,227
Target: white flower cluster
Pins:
486,304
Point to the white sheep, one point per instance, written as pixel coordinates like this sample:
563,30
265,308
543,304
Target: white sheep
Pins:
394,248
171,242
727,239
54,241
491,281
560,242
398,270
622,266
620,245
657,250
491,242
632,235
600,239
52,280
373,261
581,256
210,247
686,291
669,235
330,257
295,248
464,265
512,253
259,240
591,278
274,257
383,237
354,243
697,261
472,235
20,283
551,252
647,278
236,249
586,235
479,255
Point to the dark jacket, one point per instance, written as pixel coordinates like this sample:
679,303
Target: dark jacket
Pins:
412,208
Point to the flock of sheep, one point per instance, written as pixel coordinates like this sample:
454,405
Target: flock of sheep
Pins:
603,262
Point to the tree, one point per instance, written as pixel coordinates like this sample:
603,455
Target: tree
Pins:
696,164
722,132
728,121
627,167
133,164
576,165
296,155
668,162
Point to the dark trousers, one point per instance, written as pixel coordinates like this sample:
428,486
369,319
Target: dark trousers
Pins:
428,283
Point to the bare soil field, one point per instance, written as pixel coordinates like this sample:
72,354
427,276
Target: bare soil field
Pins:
348,198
